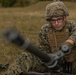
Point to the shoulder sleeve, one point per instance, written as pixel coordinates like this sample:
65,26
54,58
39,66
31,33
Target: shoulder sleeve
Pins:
42,39
73,31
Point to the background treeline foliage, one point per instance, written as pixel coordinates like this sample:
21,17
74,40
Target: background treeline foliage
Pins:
16,3
22,3
7,3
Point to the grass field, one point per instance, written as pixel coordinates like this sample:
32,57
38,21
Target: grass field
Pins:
28,21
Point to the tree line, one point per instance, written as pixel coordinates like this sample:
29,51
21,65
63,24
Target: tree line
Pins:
22,3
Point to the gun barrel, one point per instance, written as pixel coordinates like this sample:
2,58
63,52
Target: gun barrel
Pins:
14,37
36,51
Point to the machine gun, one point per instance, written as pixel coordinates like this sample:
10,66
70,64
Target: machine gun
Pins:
50,60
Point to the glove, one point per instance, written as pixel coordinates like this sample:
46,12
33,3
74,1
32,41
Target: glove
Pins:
66,47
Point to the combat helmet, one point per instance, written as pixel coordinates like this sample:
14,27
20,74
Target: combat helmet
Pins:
56,9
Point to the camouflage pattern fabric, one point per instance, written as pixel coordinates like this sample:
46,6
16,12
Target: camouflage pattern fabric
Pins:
56,9
25,63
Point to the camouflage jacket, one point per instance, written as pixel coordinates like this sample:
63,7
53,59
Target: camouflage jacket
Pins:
50,39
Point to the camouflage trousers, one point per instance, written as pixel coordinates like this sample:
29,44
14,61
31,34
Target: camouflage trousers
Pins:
28,62
25,63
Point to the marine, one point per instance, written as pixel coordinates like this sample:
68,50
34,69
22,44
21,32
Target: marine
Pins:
58,31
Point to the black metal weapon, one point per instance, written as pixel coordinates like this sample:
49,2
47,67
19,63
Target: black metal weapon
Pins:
50,60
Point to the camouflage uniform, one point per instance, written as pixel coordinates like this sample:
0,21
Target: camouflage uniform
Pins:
49,42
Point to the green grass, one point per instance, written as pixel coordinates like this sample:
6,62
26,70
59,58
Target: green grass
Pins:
28,21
